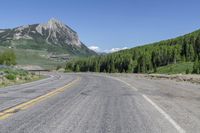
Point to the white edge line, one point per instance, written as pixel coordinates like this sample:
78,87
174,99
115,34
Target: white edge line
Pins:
50,76
115,78
178,128
167,117
123,82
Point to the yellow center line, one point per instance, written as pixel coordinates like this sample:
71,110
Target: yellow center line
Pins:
10,111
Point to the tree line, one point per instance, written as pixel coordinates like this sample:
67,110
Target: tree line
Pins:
144,59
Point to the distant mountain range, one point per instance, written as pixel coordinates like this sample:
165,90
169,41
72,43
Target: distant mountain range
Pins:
54,37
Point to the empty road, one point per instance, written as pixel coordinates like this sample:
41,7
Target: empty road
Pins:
91,103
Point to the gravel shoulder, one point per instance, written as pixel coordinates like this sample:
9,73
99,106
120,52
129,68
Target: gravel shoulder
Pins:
192,78
176,96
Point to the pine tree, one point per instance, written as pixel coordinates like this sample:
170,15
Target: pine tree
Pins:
196,67
77,68
191,53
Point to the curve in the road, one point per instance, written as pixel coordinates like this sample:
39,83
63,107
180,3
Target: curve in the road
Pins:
12,110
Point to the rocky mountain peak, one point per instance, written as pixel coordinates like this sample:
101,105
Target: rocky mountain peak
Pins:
56,29
52,24
54,21
55,24
53,33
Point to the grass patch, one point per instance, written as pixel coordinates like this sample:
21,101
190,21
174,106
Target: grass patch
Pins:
34,57
179,68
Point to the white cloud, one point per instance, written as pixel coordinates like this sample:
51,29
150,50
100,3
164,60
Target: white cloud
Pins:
94,48
98,50
115,50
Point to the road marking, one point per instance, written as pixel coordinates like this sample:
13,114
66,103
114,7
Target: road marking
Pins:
115,78
167,117
132,87
10,111
178,128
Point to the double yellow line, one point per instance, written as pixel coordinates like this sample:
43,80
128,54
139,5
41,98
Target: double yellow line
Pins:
10,111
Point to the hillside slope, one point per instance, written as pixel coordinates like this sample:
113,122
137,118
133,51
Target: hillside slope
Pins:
147,58
54,37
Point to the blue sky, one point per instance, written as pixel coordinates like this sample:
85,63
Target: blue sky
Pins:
109,24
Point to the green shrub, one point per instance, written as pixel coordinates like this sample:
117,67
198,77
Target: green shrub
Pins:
8,57
27,78
11,77
187,71
58,67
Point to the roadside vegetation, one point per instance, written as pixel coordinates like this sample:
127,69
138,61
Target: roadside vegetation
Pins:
8,74
7,57
11,76
181,68
179,55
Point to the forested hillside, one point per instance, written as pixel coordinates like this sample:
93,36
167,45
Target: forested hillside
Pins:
144,59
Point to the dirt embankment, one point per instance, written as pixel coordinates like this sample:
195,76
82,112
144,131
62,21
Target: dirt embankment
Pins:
178,77
192,78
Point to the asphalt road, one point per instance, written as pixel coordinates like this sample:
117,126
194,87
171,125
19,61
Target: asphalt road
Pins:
93,103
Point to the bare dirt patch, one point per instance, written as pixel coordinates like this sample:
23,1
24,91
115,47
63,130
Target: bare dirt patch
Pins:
187,78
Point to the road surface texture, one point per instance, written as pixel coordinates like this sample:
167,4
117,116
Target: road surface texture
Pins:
100,103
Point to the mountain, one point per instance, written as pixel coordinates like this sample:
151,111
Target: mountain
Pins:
53,36
174,55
